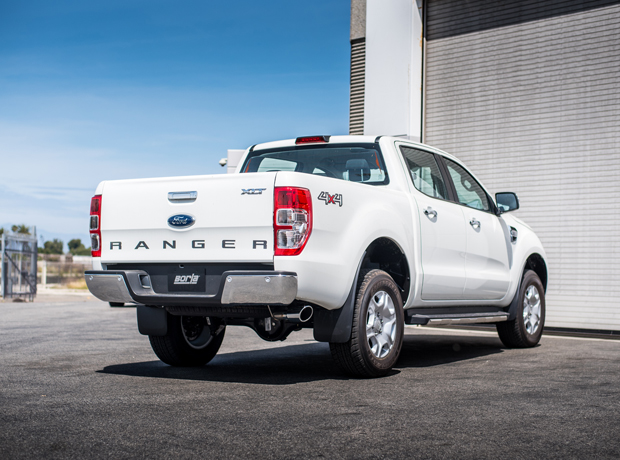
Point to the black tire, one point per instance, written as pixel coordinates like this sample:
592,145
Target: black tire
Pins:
116,304
190,341
362,356
520,333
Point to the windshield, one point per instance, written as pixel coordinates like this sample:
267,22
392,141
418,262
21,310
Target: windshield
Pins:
351,162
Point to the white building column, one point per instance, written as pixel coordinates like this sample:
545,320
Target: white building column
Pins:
234,157
394,65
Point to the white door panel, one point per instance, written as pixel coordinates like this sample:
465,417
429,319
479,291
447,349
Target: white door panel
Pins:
443,241
442,228
487,265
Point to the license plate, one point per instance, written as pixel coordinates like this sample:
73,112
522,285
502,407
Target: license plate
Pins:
189,281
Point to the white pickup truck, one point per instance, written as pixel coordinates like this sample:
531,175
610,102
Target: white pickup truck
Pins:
353,236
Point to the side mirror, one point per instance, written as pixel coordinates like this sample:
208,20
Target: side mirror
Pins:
506,201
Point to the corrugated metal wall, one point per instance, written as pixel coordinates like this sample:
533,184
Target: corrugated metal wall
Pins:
358,77
528,95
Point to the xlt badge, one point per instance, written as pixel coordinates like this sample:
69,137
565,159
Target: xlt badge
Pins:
252,191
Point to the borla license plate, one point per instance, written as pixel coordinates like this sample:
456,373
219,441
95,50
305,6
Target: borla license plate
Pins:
193,281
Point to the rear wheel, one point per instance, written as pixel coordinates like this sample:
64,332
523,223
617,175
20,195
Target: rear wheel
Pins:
378,328
526,329
191,340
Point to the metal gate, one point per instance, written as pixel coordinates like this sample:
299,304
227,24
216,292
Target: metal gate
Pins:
19,266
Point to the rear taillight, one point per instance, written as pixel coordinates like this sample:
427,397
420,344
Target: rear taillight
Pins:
95,226
292,220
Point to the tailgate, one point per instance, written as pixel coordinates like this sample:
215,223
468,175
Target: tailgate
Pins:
232,219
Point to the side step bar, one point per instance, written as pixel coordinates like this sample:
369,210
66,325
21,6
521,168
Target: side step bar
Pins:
443,319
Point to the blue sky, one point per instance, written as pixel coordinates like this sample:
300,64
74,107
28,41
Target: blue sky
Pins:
97,90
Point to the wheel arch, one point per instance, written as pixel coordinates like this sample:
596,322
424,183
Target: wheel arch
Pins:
334,326
385,254
537,263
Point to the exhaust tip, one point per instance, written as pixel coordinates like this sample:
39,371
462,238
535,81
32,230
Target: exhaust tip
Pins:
306,313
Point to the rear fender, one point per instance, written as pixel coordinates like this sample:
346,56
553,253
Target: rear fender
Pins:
334,326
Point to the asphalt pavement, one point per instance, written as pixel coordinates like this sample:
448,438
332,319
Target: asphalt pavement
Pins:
77,380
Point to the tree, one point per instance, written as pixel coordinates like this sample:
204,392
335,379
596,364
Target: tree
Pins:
23,229
77,248
52,247
74,244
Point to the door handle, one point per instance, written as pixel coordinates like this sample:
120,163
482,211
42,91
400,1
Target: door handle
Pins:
180,197
474,223
430,212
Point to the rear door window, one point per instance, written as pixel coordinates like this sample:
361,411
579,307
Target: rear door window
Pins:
424,172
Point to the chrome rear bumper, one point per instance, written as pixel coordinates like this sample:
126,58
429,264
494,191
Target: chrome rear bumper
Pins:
236,288
108,287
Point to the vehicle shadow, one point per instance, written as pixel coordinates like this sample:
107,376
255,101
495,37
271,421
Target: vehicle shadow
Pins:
275,366
434,350
310,362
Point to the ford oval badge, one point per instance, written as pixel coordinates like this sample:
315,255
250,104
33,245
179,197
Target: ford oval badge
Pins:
181,221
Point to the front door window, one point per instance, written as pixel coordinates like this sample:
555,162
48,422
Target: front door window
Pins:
468,191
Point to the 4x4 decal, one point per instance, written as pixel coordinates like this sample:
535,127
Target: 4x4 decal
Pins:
336,198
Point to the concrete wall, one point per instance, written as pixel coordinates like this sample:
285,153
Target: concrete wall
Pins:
358,19
393,92
234,156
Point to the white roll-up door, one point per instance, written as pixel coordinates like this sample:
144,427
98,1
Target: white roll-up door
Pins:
527,94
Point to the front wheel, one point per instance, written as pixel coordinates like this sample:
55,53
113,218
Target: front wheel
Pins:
378,328
526,329
191,340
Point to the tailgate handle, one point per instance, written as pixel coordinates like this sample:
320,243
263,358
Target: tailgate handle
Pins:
182,197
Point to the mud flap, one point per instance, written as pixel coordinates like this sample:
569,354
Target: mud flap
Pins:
512,308
335,326
152,320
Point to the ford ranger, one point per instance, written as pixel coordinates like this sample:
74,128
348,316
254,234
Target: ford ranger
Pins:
352,236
